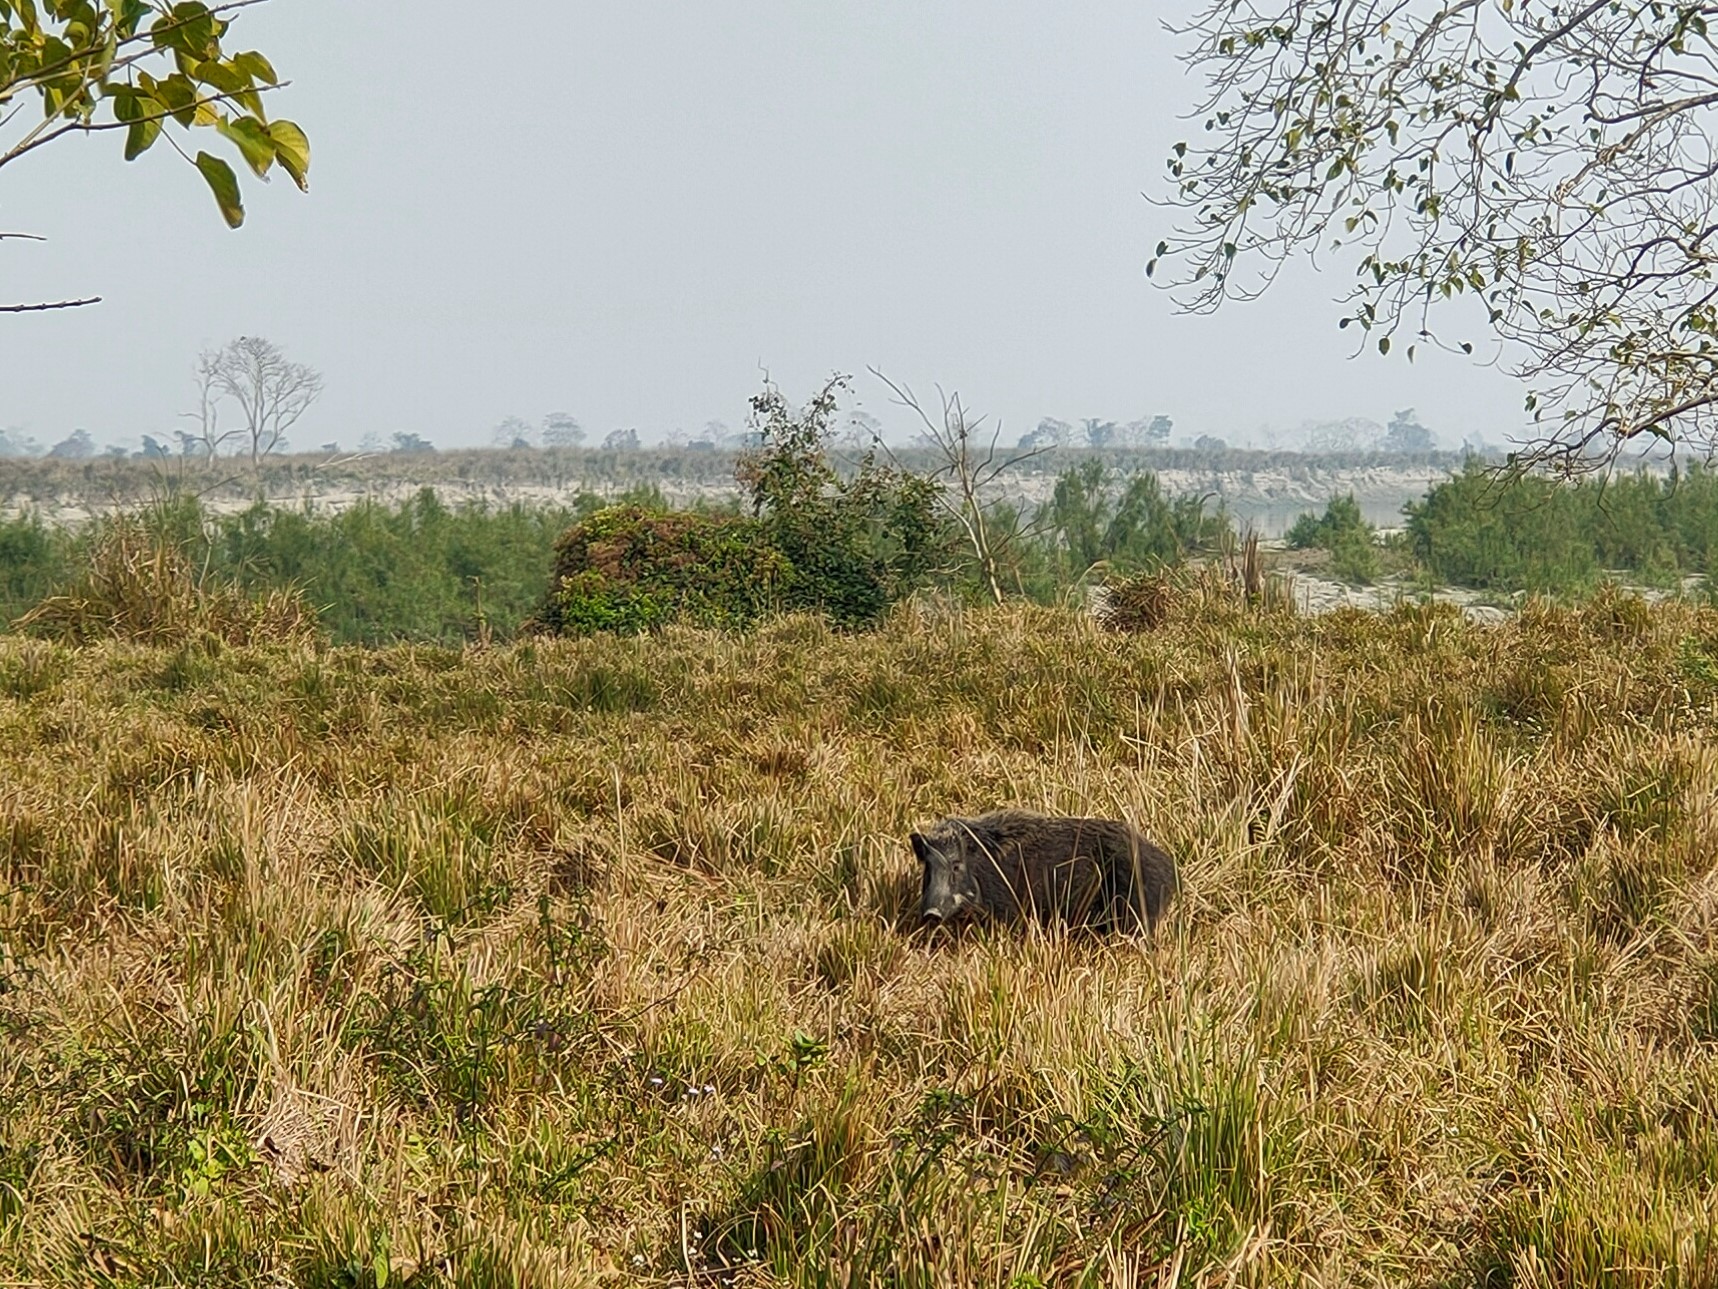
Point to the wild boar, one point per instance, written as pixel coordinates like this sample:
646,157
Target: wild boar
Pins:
1098,873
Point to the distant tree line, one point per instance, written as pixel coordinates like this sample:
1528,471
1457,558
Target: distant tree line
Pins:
249,395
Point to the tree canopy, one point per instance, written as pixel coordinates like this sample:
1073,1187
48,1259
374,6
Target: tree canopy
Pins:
144,70
1554,160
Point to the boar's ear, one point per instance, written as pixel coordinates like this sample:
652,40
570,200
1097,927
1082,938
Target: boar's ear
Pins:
919,847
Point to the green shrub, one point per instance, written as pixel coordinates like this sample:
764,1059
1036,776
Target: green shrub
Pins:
33,557
140,584
1343,532
855,545
628,569
421,571
1090,520
846,548
1479,529
1321,532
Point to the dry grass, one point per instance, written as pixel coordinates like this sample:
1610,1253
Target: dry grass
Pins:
579,962
140,588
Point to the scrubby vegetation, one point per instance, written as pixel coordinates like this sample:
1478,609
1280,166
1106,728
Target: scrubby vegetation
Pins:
573,961
1533,533
1121,524
1342,531
849,539
801,531
629,569
373,573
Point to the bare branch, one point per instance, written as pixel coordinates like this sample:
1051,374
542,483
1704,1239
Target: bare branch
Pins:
970,471
44,308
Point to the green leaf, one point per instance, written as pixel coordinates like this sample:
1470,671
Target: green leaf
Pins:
128,104
189,28
379,1268
256,67
130,17
231,81
292,150
141,137
1383,344
225,185
177,95
223,76
253,140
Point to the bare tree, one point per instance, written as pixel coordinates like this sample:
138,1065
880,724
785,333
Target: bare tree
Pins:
207,439
971,468
272,393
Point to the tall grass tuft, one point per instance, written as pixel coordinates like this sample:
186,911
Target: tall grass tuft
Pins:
140,585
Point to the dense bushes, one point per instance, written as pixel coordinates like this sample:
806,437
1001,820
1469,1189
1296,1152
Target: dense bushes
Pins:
419,571
803,534
1345,534
1124,522
375,573
849,545
628,569
1536,534
34,559
845,547
854,544
139,587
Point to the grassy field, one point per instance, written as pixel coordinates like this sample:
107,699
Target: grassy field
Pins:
588,961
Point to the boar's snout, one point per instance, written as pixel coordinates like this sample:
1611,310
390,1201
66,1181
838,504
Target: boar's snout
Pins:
938,902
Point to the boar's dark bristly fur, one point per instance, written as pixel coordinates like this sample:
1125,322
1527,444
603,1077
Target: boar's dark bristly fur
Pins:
1100,873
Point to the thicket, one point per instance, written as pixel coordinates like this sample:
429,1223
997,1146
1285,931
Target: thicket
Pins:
843,542
844,547
421,571
425,571
1530,533
628,569
1341,530
137,587
1098,518
806,531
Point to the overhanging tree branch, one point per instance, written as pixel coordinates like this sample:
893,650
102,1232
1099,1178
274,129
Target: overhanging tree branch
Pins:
1559,164
142,67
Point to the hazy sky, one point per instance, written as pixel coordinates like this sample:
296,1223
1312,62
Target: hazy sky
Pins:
625,211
